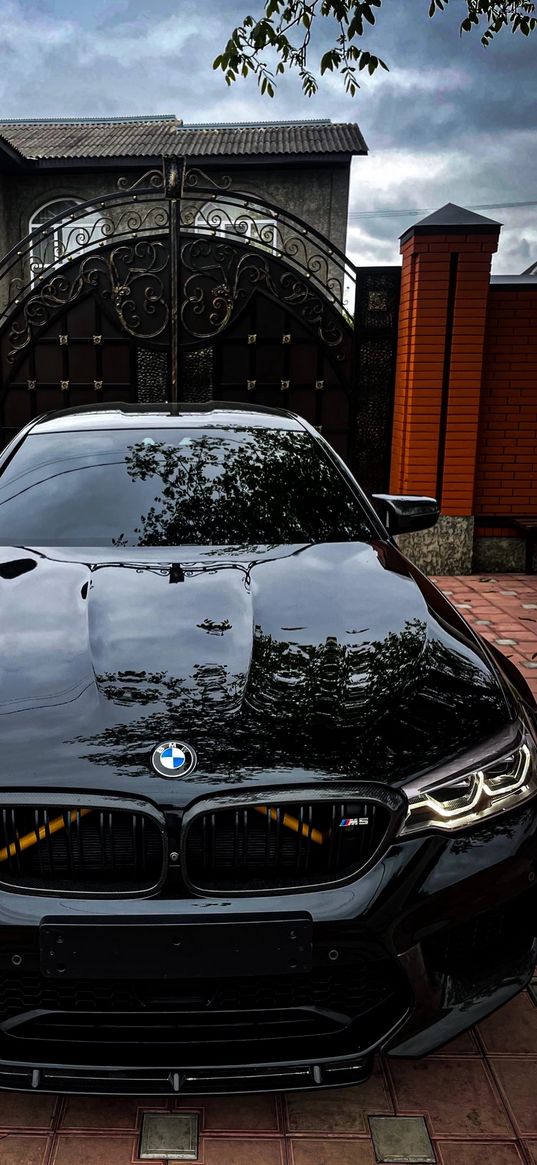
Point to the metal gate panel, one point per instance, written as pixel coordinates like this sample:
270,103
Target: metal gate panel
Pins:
176,287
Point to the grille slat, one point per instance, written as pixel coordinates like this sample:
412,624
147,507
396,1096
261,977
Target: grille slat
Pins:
79,840
236,839
111,838
37,826
69,845
339,833
16,844
267,847
46,826
102,836
308,847
83,849
6,841
277,818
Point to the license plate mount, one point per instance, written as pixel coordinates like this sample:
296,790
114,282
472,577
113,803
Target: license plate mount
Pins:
97,948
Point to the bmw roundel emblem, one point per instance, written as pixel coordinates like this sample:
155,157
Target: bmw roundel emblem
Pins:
174,759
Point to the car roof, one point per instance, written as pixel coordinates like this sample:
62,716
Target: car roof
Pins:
120,415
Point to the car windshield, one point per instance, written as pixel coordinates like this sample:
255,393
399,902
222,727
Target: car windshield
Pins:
176,486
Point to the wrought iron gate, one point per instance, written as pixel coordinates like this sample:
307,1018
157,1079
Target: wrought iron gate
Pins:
179,288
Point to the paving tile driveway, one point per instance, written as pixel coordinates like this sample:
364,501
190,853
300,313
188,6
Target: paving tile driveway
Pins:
477,1097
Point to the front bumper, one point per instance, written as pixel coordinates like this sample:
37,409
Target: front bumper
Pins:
438,934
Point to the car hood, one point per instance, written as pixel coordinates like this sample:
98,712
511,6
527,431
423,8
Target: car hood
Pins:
277,665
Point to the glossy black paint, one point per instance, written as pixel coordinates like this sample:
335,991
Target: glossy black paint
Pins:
403,514
266,676
289,665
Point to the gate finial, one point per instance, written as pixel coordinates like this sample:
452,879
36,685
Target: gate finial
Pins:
174,169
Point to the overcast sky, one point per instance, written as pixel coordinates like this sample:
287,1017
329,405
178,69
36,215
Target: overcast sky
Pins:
450,122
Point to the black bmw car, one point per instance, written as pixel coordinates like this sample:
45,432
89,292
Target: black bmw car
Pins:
267,803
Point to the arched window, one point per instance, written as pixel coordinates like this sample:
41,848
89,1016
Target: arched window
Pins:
68,235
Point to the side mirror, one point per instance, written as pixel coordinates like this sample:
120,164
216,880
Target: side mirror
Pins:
401,515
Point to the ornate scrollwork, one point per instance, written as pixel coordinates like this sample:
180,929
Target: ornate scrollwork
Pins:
48,254
273,232
128,277
196,179
230,245
313,309
221,279
151,180
130,220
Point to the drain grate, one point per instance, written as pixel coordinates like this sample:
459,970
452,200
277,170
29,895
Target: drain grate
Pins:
401,1138
169,1137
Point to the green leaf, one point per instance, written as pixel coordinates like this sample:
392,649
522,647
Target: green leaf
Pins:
356,27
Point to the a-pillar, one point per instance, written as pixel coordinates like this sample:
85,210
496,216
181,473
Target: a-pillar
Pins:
444,295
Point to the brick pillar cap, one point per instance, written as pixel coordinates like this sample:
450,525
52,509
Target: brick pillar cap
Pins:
455,219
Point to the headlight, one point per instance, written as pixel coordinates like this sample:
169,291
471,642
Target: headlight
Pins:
473,796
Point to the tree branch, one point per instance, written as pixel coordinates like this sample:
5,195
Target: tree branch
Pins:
285,29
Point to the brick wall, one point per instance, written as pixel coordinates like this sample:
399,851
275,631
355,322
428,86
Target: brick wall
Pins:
465,413
506,470
444,294
420,355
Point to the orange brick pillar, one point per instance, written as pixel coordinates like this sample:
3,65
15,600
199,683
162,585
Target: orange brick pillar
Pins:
444,295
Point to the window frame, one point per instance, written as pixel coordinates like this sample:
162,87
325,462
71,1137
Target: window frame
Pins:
60,251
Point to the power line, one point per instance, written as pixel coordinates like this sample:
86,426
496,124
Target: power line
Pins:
429,209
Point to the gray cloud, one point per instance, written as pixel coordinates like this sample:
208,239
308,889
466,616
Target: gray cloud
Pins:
450,122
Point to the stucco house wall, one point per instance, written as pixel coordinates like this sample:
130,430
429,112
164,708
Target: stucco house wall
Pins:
302,167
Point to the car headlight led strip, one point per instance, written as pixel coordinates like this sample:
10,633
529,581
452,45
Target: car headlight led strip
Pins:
472,797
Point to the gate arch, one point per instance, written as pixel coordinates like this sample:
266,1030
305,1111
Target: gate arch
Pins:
177,287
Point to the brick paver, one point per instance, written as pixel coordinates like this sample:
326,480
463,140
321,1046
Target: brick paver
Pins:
503,608
478,1096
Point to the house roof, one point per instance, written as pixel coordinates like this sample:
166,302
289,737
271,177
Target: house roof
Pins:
89,138
149,137
292,137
